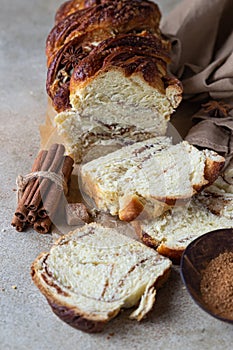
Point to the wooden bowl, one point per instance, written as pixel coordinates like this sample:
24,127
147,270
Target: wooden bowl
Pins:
195,259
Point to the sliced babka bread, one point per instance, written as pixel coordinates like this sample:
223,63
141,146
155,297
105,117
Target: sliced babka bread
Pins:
170,233
152,173
92,273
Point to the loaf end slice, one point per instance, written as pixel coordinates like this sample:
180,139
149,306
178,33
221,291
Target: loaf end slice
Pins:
153,175
83,134
92,273
170,233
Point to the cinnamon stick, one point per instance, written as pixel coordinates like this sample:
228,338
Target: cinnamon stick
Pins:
50,199
31,217
42,213
53,197
31,191
51,163
21,211
43,225
18,224
40,198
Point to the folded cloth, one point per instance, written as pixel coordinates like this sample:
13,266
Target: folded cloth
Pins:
201,33
214,129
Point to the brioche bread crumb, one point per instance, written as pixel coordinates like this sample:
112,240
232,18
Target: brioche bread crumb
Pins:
95,271
174,230
152,171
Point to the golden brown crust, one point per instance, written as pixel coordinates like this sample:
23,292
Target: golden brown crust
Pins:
213,169
106,19
94,22
76,319
168,202
142,54
174,90
71,6
55,39
131,209
173,254
58,75
211,172
145,238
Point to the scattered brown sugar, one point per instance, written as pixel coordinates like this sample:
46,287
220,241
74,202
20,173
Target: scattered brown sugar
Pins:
217,285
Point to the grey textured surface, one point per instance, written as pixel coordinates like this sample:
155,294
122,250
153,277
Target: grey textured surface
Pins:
26,321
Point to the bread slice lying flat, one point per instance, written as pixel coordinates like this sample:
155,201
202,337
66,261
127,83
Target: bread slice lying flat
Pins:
153,173
92,273
174,230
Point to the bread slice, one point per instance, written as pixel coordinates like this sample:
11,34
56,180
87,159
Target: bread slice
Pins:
82,135
152,173
92,273
170,233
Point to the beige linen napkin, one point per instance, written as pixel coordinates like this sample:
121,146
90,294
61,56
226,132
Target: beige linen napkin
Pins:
213,130
201,33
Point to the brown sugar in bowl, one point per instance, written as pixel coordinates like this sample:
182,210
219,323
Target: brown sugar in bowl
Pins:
200,261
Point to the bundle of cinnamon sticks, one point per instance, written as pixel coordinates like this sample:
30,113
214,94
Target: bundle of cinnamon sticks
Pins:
40,192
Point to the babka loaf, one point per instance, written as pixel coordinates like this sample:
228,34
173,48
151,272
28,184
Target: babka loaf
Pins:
108,61
149,175
76,35
126,75
92,273
170,233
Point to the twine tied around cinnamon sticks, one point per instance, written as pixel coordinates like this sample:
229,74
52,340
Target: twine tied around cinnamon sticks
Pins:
22,181
40,191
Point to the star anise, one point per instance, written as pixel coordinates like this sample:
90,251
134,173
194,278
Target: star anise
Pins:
72,56
217,109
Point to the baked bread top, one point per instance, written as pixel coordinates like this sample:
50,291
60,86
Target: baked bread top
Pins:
149,173
68,7
93,272
104,20
144,53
